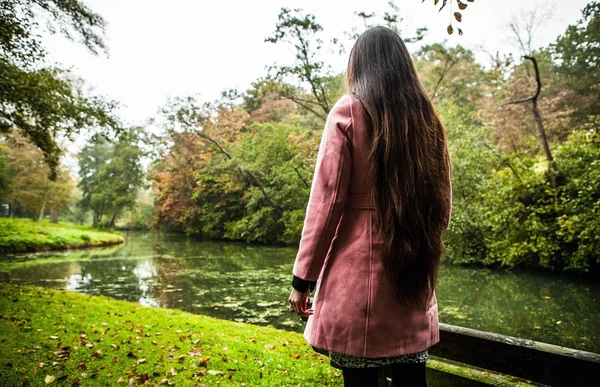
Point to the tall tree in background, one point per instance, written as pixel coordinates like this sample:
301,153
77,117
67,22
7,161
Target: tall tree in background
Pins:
42,103
577,52
92,158
392,19
32,193
111,176
316,89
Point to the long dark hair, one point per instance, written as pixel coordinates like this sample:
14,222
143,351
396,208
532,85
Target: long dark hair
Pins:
409,167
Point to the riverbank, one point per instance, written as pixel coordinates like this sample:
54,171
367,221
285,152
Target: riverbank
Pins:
25,235
54,335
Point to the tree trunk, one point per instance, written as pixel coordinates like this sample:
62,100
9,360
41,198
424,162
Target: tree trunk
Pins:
53,215
111,222
44,201
540,126
43,208
97,218
538,120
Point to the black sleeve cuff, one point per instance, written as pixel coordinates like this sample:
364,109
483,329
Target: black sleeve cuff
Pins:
302,285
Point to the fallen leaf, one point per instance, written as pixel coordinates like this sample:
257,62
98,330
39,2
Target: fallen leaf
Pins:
269,346
54,337
120,380
141,361
49,379
144,378
214,372
104,324
172,372
195,352
131,382
203,361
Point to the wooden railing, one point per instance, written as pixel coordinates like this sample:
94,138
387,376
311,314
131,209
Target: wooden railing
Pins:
468,357
527,359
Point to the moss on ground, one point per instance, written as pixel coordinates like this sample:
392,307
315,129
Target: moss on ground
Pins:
25,235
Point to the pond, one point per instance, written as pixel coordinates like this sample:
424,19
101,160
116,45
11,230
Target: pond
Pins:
251,284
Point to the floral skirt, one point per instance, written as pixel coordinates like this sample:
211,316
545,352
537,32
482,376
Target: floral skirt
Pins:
340,360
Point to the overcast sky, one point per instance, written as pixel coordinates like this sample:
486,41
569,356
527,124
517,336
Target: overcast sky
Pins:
167,48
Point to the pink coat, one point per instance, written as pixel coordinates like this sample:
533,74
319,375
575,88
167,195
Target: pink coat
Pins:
354,312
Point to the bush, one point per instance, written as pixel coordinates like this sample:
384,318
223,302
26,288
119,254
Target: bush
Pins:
521,219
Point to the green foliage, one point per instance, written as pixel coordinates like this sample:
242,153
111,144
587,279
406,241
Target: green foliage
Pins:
253,189
522,221
471,159
301,31
24,235
111,176
450,73
42,103
578,50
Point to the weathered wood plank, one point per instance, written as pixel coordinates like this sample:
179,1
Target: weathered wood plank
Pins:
527,359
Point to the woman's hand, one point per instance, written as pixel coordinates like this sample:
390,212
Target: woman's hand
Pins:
298,302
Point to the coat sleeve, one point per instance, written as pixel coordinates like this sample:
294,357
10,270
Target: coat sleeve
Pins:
328,193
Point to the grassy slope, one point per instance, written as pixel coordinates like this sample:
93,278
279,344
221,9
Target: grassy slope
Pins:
75,338
22,235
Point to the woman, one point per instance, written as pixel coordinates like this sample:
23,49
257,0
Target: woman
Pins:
372,237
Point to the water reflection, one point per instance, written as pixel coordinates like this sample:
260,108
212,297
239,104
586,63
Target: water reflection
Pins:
251,283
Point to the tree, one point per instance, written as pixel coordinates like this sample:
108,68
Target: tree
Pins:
301,31
577,53
451,72
523,28
43,103
111,176
538,120
216,125
32,193
92,158
392,19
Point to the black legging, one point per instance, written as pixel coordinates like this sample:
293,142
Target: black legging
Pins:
403,375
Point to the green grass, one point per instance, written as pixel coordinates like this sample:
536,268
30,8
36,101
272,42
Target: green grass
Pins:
76,339
25,235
